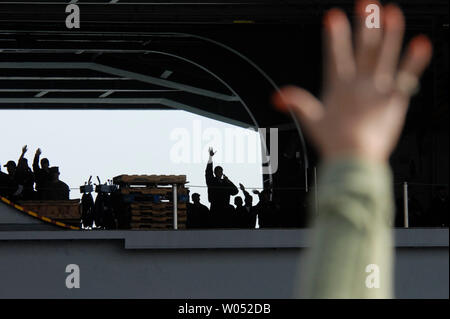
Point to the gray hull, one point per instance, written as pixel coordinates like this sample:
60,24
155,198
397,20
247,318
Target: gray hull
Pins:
188,263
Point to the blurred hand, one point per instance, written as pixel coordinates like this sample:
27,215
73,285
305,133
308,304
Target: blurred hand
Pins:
241,187
24,149
211,151
366,91
38,152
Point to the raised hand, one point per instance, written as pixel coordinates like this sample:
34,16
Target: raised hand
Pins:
24,149
38,152
211,151
366,91
241,187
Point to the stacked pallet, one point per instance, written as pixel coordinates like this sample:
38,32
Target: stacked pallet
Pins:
65,211
148,200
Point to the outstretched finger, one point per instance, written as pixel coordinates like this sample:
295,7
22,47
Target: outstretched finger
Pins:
338,49
369,35
394,26
416,59
306,107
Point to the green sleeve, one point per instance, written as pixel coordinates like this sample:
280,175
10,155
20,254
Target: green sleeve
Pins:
353,229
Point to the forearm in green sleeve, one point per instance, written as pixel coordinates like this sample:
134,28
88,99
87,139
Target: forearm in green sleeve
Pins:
352,230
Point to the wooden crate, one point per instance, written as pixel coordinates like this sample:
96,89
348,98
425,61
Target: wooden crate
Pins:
61,210
152,195
148,200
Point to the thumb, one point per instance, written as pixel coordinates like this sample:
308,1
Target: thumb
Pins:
306,107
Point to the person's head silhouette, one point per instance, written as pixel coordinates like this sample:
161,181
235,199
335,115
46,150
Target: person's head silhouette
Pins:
196,198
238,201
218,172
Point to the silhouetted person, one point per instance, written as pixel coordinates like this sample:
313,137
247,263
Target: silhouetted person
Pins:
248,217
236,219
41,174
4,183
56,190
220,188
87,210
197,213
12,169
7,185
24,176
266,210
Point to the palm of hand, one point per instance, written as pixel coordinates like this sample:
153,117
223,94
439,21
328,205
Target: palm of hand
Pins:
366,91
360,118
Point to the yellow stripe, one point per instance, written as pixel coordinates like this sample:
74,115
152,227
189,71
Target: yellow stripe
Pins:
46,219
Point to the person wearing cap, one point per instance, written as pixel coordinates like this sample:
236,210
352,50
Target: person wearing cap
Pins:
11,168
56,190
8,185
42,174
4,179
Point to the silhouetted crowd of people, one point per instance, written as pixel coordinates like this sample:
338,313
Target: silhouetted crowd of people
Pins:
221,213
244,214
39,183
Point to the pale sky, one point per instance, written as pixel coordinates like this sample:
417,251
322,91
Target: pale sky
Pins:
108,143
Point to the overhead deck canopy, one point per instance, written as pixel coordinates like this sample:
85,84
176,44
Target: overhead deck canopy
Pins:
65,70
216,59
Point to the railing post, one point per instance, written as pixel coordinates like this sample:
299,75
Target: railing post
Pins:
175,208
405,205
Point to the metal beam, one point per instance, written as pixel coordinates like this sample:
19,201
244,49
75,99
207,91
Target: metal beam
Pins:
41,94
164,83
86,90
119,72
61,78
126,101
107,93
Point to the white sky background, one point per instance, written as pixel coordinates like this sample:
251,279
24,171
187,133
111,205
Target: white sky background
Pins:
108,143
